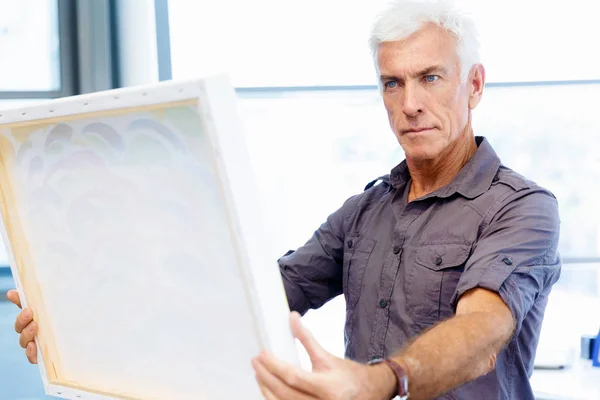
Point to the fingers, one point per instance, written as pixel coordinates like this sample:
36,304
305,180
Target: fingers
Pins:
274,388
26,326
23,319
313,348
28,334
31,353
292,376
13,297
266,393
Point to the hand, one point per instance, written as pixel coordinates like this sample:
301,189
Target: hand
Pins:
26,327
332,378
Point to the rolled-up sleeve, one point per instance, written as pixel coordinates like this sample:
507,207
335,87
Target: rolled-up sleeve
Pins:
312,274
516,255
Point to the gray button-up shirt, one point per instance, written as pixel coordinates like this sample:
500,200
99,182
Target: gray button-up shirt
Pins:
402,266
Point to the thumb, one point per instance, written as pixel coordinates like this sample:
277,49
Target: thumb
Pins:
315,351
13,297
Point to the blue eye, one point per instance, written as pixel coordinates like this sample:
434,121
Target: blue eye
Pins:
431,78
391,84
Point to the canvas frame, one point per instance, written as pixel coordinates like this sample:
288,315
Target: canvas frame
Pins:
216,100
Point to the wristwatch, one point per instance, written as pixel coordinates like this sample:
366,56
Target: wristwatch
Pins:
402,393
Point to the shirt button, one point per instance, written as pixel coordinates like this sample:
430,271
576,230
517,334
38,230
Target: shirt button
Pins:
507,261
438,261
349,243
396,249
383,303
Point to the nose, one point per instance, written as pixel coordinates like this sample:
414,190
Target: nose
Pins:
411,101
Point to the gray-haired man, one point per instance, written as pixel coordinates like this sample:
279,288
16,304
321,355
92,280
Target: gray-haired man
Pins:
446,265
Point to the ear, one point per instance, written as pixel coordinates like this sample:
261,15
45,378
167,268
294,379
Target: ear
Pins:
476,82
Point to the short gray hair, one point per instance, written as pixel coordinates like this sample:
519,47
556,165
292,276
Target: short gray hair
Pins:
402,18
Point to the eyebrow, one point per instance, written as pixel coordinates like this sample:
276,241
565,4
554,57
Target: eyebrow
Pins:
426,71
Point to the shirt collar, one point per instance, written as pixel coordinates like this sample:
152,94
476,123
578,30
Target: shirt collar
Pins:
474,179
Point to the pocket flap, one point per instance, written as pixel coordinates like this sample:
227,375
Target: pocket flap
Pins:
357,244
441,256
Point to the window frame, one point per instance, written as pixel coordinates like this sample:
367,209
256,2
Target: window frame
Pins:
87,51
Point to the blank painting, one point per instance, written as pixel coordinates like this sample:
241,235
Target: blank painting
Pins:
131,251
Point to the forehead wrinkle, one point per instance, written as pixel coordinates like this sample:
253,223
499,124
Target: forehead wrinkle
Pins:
405,58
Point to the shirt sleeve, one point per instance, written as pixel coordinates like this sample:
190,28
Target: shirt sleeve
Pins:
516,255
312,274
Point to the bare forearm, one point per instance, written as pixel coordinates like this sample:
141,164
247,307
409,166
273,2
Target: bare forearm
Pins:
454,352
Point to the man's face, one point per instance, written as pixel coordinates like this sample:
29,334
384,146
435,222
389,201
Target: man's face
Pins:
428,106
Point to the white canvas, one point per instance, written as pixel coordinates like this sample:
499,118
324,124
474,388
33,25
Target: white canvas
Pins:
134,233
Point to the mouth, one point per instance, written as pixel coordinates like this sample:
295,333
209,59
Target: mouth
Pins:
415,130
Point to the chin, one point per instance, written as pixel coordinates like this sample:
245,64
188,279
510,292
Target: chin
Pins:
420,157
422,147
419,151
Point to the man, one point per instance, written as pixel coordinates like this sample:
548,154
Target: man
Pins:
446,264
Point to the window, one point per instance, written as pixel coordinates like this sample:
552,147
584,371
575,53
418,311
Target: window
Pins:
35,63
334,142
537,129
315,122
273,43
28,40
270,43
536,40
542,133
34,70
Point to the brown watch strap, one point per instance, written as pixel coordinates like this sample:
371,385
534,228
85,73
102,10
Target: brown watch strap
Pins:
401,376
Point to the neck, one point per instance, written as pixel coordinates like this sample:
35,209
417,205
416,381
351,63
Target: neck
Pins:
431,175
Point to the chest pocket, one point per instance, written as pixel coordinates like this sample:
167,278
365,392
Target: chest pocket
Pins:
433,279
357,251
